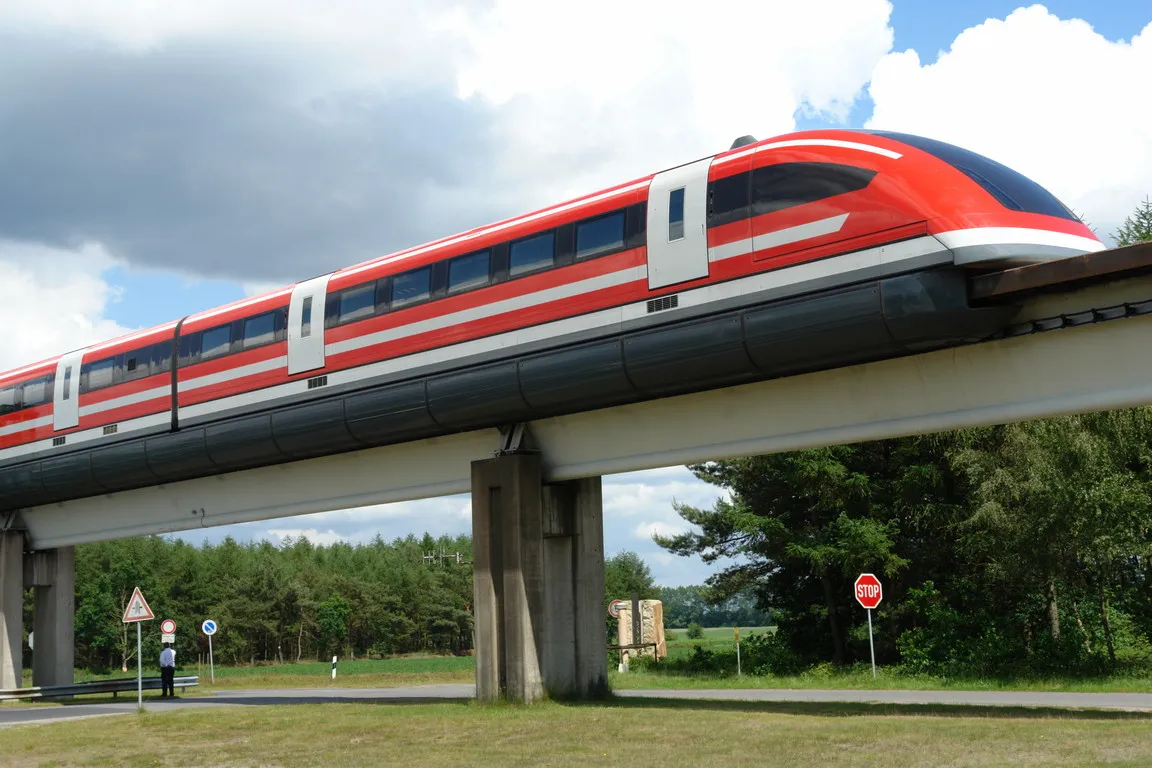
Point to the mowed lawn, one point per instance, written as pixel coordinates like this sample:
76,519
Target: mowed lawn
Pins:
650,732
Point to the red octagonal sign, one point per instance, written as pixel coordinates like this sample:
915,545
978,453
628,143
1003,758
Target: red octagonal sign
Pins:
868,590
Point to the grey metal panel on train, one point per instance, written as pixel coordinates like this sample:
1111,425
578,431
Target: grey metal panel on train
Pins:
925,310
863,322
698,354
20,486
316,429
554,381
69,476
243,443
477,397
179,455
122,466
391,414
818,331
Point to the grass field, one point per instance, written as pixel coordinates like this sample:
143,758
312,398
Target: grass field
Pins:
651,732
422,670
715,639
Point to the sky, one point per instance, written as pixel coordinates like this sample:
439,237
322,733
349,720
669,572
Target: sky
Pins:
157,159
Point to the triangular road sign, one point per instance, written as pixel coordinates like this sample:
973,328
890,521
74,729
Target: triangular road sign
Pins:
137,609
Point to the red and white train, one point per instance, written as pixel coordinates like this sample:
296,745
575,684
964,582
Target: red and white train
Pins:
813,250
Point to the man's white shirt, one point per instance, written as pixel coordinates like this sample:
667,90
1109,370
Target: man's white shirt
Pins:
167,658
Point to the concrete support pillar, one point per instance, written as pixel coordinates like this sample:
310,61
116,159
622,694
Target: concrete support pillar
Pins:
53,573
11,608
538,574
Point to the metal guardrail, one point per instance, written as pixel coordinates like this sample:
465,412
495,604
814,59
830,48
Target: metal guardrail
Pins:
114,686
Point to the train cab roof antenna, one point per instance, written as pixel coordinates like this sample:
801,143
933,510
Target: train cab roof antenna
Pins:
743,141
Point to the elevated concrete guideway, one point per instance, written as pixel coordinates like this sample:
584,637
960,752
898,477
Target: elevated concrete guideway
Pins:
1097,365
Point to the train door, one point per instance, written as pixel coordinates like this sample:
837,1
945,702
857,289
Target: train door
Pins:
677,225
306,325
66,392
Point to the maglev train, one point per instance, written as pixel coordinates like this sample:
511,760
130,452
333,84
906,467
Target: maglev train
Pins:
808,251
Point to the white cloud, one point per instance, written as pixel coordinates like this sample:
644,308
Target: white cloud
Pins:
52,301
630,88
549,102
1050,98
658,528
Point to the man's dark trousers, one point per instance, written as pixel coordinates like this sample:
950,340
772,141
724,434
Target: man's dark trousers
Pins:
167,677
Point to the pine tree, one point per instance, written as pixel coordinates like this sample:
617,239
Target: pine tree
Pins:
1137,228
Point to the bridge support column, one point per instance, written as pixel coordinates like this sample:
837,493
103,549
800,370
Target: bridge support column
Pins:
53,573
538,575
11,608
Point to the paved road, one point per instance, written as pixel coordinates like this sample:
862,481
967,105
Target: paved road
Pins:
1135,702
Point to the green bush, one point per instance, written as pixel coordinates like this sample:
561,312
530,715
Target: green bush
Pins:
695,631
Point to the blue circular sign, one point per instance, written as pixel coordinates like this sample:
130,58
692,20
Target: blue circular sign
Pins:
209,627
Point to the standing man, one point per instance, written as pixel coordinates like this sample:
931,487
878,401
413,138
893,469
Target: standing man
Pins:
167,671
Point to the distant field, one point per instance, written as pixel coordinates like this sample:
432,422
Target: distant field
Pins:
715,639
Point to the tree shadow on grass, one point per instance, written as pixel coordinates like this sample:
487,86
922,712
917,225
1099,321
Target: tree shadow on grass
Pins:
866,709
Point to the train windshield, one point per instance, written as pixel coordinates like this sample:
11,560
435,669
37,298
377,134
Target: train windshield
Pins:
1013,190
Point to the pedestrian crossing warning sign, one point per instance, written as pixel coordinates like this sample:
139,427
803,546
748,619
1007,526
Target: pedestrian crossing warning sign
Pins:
137,609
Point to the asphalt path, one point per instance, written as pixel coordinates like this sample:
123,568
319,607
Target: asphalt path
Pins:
1130,702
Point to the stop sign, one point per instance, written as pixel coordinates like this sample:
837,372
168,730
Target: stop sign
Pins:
868,590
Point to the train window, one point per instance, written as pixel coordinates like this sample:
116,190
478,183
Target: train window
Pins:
306,318
784,185
469,271
676,214
216,342
728,199
600,236
67,383
411,287
357,303
161,357
532,254
136,364
260,329
100,374
36,393
8,400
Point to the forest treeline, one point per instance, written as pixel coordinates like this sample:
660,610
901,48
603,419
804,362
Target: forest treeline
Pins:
298,601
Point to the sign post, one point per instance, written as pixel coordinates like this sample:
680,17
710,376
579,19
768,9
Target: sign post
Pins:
209,628
736,630
167,631
869,593
136,612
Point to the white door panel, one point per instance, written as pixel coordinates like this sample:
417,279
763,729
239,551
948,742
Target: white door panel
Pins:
306,325
66,392
677,224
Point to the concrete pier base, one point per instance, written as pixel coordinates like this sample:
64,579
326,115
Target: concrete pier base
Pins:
538,574
53,574
11,608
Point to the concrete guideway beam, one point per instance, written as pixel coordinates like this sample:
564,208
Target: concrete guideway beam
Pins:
1072,370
